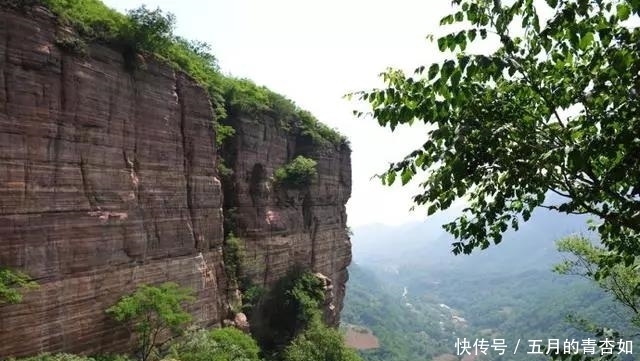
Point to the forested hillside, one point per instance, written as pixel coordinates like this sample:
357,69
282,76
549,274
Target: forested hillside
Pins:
507,292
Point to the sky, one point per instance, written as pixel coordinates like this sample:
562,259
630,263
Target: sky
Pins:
314,52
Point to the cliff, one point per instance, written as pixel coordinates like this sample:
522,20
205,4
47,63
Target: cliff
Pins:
282,227
108,180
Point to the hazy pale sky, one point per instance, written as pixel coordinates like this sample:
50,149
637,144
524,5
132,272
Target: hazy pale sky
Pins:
314,52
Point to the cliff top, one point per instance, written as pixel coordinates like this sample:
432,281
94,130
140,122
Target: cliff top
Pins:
144,31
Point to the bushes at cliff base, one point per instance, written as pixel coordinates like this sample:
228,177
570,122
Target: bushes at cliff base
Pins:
319,343
224,344
152,310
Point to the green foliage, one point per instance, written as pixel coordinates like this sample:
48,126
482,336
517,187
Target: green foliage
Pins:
319,133
319,343
222,168
621,281
91,18
223,133
244,96
149,30
498,136
232,256
298,173
286,309
12,283
251,295
224,344
145,30
404,333
528,305
152,310
235,341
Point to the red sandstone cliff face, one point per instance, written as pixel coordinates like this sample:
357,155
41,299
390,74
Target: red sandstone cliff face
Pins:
108,181
282,227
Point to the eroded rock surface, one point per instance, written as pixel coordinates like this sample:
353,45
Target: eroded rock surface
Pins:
108,180
283,227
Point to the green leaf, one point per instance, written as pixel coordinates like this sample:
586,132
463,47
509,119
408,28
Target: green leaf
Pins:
447,69
406,175
586,41
391,178
552,3
471,34
455,78
452,41
623,11
446,20
433,71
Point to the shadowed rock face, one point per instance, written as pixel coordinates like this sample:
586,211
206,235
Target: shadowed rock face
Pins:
108,181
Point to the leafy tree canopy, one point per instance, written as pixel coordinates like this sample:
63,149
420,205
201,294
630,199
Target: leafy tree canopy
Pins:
225,344
554,110
152,310
621,282
319,343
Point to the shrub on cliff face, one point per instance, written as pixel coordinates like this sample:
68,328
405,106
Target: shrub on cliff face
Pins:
224,344
232,257
12,283
298,173
150,311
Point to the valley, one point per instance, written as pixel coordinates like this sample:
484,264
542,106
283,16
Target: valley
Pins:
419,299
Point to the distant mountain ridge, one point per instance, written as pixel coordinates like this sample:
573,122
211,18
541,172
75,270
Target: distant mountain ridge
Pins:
427,245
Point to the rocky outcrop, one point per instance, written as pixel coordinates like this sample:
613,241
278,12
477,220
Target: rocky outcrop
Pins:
108,180
282,227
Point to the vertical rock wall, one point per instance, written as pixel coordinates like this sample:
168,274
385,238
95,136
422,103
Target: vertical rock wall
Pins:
108,181
283,227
